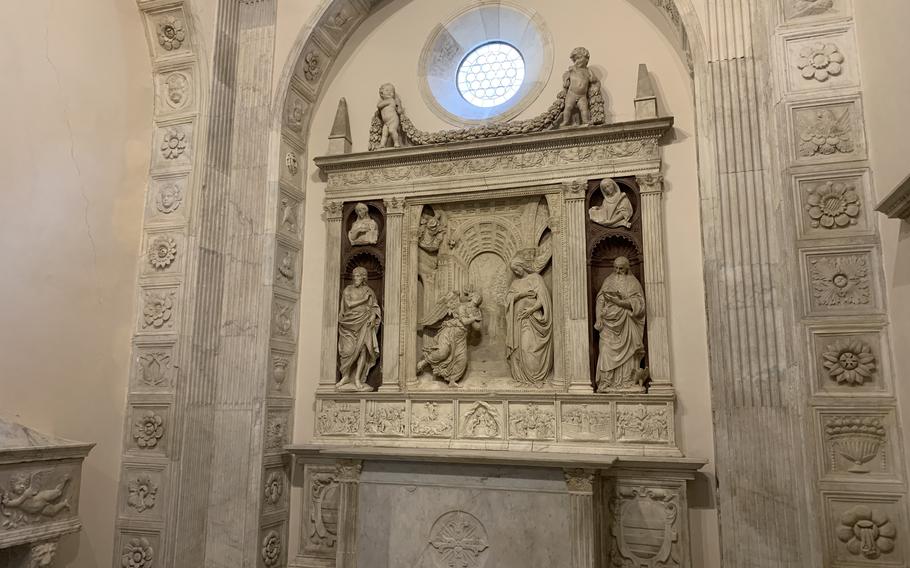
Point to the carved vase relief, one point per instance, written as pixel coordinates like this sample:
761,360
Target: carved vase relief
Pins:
857,440
459,540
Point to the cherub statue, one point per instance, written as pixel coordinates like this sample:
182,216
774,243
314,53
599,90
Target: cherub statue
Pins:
615,210
458,314
580,85
386,123
25,500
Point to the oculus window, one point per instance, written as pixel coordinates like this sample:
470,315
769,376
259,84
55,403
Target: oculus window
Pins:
486,62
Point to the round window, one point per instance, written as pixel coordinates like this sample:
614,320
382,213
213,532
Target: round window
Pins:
491,74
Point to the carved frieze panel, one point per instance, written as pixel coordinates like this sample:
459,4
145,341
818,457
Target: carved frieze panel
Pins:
432,419
385,418
841,282
174,90
149,429
290,216
865,529
281,372
532,421
643,423
275,490
586,421
139,549
277,430
338,418
645,526
158,309
833,205
320,510
820,61
169,32
858,445
154,367
144,494
481,420
166,199
827,132
848,360
37,494
174,147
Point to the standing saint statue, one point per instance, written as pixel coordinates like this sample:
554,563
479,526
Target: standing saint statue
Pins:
529,320
616,209
358,327
620,319
364,230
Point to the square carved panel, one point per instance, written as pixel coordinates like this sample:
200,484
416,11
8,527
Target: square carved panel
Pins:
815,9
859,445
825,60
338,418
532,421
432,419
586,422
644,423
865,529
173,147
169,33
481,420
850,360
143,495
827,132
385,418
154,367
166,200
148,431
834,205
283,370
841,282
138,548
175,90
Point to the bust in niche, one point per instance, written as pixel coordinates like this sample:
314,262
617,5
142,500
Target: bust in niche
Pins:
358,333
616,209
365,230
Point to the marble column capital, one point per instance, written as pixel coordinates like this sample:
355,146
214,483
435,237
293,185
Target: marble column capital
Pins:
574,188
348,471
650,183
331,210
579,481
394,205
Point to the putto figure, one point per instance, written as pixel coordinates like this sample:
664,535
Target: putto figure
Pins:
387,120
364,230
27,502
358,338
616,209
529,320
458,314
620,313
580,85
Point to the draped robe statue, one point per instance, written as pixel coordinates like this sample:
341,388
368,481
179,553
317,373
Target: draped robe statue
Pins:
529,321
616,209
448,356
358,327
621,322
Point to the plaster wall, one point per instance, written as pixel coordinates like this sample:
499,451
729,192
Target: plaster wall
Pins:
386,47
76,117
886,85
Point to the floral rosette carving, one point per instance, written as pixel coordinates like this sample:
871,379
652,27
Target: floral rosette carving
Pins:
840,280
271,549
274,488
867,532
820,61
148,430
171,33
823,132
833,205
157,310
143,493
174,144
138,553
311,68
162,252
857,438
849,361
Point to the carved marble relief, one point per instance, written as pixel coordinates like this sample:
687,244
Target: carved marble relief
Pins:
142,492
865,529
177,91
532,421
455,316
154,367
856,439
586,421
840,281
283,320
295,112
867,532
174,142
642,423
645,527
287,273
620,323
849,361
320,530
137,552
158,309
432,419
364,230
34,497
282,368
171,32
271,548
807,8
289,215
148,428
277,430
832,206
614,209
459,540
481,420
386,419
168,197
358,333
338,418
828,132
274,488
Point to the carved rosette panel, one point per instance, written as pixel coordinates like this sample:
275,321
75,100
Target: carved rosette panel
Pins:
645,527
832,206
459,540
828,132
849,360
866,529
841,282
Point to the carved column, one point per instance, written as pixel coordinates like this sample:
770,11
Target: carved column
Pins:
651,189
332,217
580,483
347,474
391,331
577,305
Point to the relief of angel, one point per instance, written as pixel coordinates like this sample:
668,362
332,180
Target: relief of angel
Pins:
529,319
456,314
25,501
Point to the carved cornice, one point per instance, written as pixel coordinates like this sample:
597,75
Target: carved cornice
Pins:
896,204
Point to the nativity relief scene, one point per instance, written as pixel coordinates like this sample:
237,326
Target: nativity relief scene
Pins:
508,269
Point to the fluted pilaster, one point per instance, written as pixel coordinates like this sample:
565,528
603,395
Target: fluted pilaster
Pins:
347,474
651,190
580,483
391,334
577,304
332,217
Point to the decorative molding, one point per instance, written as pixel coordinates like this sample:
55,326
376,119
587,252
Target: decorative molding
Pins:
896,204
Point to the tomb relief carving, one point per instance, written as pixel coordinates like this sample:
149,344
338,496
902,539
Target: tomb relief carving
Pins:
282,320
857,440
311,66
532,422
642,423
148,429
338,418
288,215
280,367
34,497
840,281
322,512
168,198
143,492
295,113
620,322
455,316
459,540
586,421
277,431
137,553
482,420
386,419
615,210
364,230
291,163
849,361
645,527
867,532
358,329
286,271
271,548
432,420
